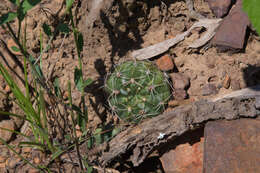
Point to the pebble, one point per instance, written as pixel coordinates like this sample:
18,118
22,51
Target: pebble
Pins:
180,81
165,63
4,134
226,82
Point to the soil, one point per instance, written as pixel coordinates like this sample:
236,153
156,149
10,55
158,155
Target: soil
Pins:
126,26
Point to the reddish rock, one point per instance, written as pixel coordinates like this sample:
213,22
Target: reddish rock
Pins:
232,146
165,63
185,158
180,81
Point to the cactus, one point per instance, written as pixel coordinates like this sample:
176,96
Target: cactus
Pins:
137,90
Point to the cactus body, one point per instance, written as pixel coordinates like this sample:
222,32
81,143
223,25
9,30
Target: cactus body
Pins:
137,90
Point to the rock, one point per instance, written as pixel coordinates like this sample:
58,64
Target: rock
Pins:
4,134
4,154
231,33
165,63
179,94
12,162
232,146
219,8
226,81
11,44
209,89
185,158
180,81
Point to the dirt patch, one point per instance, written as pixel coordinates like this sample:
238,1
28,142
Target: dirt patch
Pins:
117,31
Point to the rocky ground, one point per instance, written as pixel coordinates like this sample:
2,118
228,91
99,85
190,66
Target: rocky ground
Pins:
115,33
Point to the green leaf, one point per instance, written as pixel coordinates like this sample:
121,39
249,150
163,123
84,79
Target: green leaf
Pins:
69,4
16,49
47,29
80,42
57,87
37,67
29,4
7,17
16,2
64,28
90,169
98,136
78,78
87,82
81,118
252,8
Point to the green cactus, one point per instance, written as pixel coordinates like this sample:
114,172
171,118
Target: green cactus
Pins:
137,90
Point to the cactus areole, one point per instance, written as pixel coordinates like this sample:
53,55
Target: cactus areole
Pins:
137,90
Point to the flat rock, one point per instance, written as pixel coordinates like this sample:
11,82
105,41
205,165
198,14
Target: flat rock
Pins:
232,146
232,31
4,134
180,81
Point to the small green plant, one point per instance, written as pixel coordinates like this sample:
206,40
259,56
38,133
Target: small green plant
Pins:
252,7
137,90
35,108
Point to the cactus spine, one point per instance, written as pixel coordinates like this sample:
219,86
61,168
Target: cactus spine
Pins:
137,90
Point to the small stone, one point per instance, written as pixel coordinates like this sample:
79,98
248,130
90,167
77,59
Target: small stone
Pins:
232,146
165,63
226,81
36,160
209,89
4,154
4,134
12,162
180,94
180,81
7,89
12,45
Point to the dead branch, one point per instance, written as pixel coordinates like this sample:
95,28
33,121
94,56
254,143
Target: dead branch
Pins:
145,137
